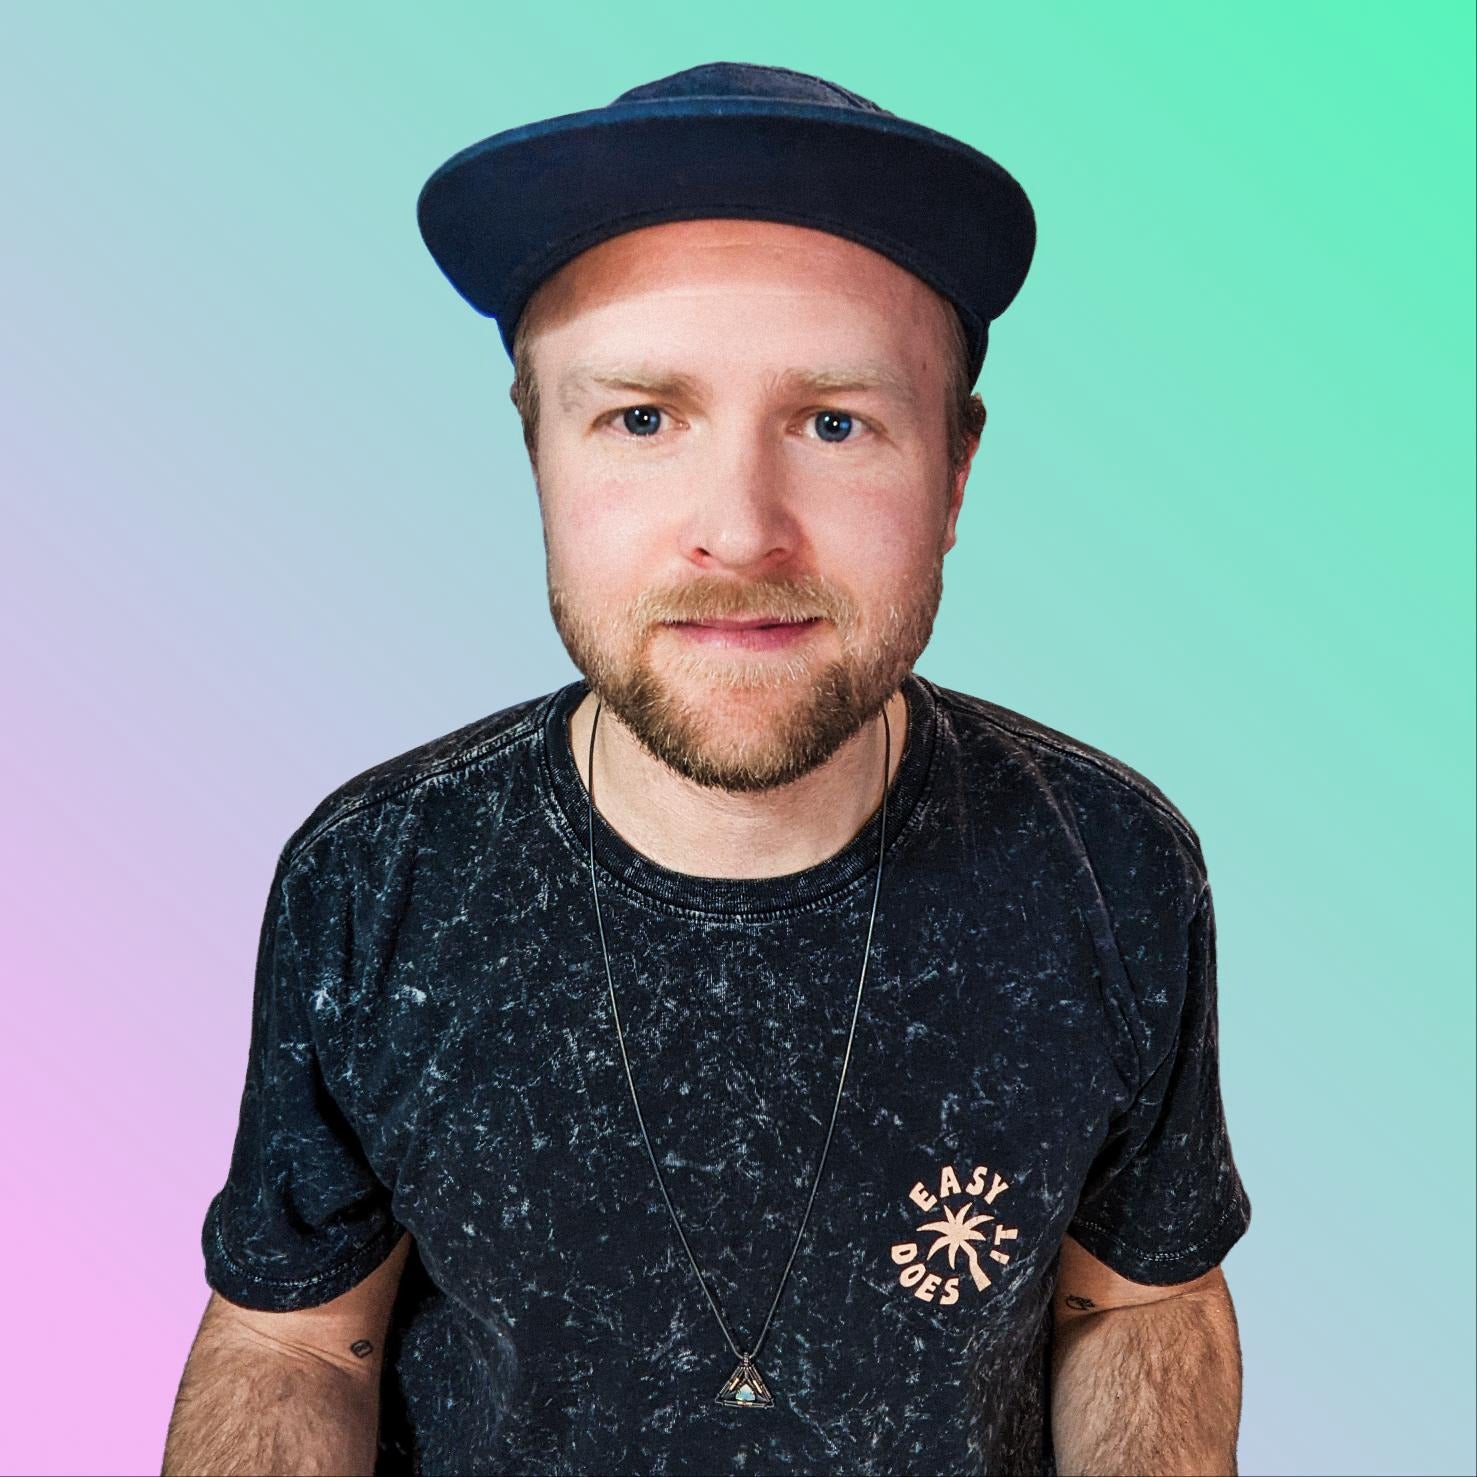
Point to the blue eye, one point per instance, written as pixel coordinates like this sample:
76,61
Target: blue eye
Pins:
640,420
833,425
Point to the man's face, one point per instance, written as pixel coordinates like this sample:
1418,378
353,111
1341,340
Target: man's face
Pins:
742,421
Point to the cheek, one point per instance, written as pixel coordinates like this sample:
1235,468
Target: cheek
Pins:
878,538
601,538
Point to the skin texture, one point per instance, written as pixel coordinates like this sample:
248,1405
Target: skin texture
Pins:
1145,1378
716,761
1149,1387
285,1392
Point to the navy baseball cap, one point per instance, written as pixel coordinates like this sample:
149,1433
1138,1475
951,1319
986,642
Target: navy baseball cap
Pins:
729,139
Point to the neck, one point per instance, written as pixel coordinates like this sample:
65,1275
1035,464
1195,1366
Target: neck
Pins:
687,827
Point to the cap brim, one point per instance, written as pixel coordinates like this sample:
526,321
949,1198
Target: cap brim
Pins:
503,214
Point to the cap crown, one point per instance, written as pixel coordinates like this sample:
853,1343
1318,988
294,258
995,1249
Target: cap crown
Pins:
748,80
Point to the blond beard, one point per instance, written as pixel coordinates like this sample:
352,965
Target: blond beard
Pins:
829,704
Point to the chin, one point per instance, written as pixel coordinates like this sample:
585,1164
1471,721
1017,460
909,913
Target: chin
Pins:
739,689
725,726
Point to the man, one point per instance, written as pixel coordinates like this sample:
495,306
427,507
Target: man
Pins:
752,1056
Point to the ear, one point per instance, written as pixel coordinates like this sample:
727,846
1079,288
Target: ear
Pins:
956,493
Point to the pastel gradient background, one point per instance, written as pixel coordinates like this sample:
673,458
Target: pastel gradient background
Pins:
269,521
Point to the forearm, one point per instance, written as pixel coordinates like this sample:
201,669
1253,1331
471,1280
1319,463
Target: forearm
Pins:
244,1409
1153,1390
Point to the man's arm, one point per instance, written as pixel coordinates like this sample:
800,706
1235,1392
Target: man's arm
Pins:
285,1392
1146,1379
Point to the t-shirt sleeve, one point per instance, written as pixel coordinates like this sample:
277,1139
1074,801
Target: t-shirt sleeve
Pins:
1163,1201
302,1216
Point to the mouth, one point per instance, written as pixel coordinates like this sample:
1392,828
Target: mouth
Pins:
748,633
747,622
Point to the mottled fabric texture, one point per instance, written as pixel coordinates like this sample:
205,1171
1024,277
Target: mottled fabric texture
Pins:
433,1052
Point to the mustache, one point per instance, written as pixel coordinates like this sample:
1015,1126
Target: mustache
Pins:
805,598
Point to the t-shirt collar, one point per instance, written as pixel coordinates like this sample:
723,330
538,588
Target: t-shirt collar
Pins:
625,867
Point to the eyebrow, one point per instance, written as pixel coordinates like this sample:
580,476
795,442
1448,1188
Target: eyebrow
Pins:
666,384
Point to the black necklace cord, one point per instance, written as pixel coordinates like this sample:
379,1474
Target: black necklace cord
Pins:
846,1061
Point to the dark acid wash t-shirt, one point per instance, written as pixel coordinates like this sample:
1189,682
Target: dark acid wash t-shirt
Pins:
432,1051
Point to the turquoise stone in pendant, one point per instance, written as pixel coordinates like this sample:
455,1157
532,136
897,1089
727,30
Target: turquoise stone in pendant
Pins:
745,1387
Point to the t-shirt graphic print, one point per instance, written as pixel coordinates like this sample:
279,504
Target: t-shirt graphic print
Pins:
432,1053
955,1229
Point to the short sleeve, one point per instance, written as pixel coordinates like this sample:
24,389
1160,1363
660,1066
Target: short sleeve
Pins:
1163,1201
302,1216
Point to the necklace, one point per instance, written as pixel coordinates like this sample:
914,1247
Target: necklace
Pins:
745,1387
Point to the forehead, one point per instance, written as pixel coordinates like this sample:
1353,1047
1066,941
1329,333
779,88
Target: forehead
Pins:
658,286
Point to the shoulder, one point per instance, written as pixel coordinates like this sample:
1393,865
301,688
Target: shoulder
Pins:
490,744
1113,807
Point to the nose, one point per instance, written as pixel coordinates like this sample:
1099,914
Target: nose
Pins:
738,515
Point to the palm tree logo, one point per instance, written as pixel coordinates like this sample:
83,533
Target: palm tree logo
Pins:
957,1233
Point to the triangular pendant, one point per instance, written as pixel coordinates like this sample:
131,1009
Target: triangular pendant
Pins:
746,1387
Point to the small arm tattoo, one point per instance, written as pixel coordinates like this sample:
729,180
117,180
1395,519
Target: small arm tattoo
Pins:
1074,1301
361,1347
